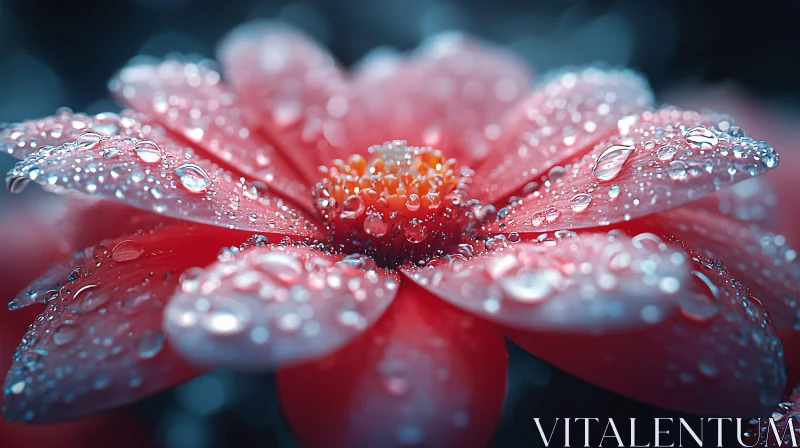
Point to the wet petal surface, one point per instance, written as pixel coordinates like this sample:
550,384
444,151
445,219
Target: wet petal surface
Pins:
21,139
784,427
160,177
274,305
761,260
563,119
658,160
587,283
449,93
99,342
719,355
292,89
426,374
189,99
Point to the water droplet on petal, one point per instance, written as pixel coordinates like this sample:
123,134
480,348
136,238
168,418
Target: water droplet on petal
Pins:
611,161
148,151
127,250
374,225
150,344
193,177
65,334
677,170
666,152
580,202
701,137
89,140
353,207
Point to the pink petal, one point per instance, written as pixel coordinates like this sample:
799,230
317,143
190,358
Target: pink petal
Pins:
189,99
425,374
760,259
786,419
763,261
718,356
751,200
99,342
573,283
563,119
659,160
293,90
79,226
783,133
160,177
23,139
450,93
276,304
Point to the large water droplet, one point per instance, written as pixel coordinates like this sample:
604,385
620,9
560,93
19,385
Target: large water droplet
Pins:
148,151
580,202
666,152
66,333
416,231
677,170
374,225
353,207
527,286
150,344
127,250
89,140
193,177
611,161
701,137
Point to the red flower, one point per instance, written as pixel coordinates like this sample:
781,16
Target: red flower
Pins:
574,219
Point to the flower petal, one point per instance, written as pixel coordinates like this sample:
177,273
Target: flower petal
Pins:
760,259
22,139
188,99
292,89
719,355
563,119
276,304
160,177
99,342
450,93
659,160
751,200
79,226
786,419
587,283
425,374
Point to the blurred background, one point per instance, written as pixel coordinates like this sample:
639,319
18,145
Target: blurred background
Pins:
59,53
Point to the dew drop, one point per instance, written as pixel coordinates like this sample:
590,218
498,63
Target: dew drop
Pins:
677,170
415,231
527,286
665,152
374,225
413,202
580,202
148,151
193,177
611,161
127,250
150,344
89,140
614,191
66,333
353,207
701,137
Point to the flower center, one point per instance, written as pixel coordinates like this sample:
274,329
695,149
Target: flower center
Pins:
404,204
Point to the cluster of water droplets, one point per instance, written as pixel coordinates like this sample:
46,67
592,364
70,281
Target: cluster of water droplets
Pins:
274,303
79,345
729,327
151,173
658,159
565,116
563,280
786,416
187,98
